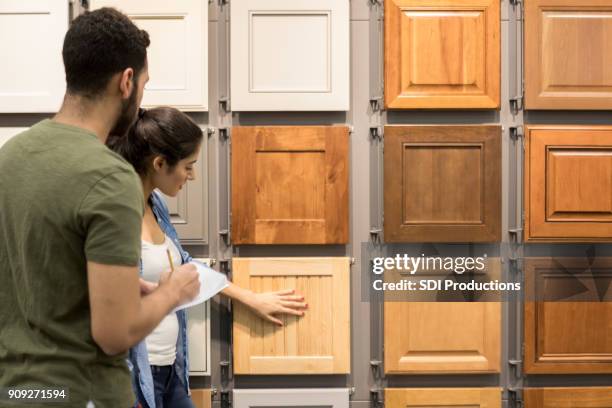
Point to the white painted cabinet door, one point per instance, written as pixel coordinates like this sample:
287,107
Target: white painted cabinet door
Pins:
178,54
7,132
290,55
198,336
31,69
297,397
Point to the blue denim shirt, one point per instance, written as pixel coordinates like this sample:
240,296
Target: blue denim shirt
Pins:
142,378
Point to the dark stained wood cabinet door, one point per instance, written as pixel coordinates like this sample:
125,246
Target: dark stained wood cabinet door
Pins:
568,183
568,397
442,184
290,185
568,54
565,336
442,54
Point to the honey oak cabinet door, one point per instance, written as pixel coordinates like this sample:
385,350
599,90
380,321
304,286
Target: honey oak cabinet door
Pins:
568,183
31,69
198,336
290,185
568,397
7,133
443,397
316,343
568,54
201,398
292,398
565,337
442,54
178,54
290,55
442,184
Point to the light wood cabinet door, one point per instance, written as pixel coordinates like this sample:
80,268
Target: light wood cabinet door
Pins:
291,398
442,184
443,397
31,38
7,133
568,54
290,55
316,343
568,397
201,398
178,54
568,183
290,185
565,337
442,54
198,336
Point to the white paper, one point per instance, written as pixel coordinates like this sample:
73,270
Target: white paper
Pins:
211,283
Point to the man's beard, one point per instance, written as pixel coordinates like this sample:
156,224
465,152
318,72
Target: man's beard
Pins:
127,118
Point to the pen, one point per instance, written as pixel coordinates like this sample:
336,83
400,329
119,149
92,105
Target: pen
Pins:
170,260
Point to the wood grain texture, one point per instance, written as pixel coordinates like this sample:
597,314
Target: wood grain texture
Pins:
443,397
316,343
201,398
568,54
568,397
442,54
565,337
442,184
568,183
290,185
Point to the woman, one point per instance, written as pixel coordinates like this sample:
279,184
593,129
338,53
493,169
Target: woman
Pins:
163,146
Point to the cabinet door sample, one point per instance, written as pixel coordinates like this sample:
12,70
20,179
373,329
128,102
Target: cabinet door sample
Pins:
442,183
201,398
32,34
568,54
442,54
316,343
178,54
568,183
292,398
443,397
189,209
198,336
565,337
7,133
290,55
568,397
290,185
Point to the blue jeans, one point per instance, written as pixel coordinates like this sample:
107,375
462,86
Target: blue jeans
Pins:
169,392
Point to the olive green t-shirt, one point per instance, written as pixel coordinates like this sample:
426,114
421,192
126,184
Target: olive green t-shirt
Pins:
65,199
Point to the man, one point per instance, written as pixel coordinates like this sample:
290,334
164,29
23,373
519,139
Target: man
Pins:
70,224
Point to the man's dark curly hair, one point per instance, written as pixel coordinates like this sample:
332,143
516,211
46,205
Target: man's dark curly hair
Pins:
98,45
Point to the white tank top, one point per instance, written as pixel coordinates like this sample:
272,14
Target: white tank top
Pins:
161,343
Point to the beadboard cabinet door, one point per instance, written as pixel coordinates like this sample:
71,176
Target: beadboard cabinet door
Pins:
291,398
316,343
568,397
290,55
31,68
201,398
290,185
178,54
442,184
568,54
189,209
442,54
568,183
443,397
198,335
565,337
7,133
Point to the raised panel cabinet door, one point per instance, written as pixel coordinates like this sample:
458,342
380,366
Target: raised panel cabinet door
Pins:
189,209
565,336
568,397
198,336
178,54
290,185
201,398
290,55
288,398
443,397
568,183
7,133
442,184
568,54
442,54
316,343
442,337
32,35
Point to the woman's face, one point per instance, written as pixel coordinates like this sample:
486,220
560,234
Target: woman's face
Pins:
171,180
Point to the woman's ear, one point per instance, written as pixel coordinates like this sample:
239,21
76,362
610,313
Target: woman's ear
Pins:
158,163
